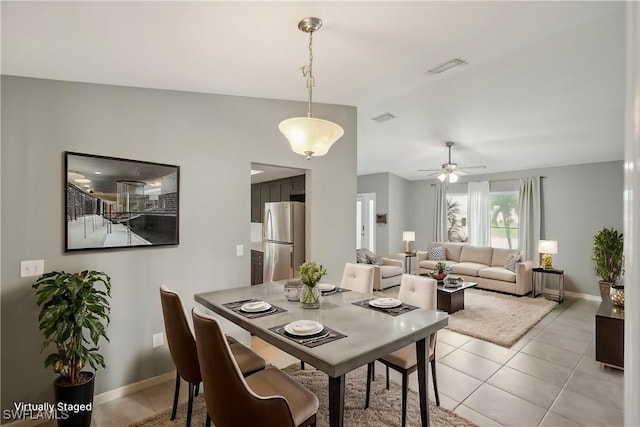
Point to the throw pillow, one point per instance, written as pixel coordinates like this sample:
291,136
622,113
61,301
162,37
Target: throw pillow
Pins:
361,256
373,259
437,254
511,261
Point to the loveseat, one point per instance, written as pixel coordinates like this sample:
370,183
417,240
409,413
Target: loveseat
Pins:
484,265
387,271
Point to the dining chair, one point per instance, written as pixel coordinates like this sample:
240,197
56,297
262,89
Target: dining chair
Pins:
266,398
182,347
358,277
422,292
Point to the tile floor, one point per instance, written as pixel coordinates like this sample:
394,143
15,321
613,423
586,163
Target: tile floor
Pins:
548,378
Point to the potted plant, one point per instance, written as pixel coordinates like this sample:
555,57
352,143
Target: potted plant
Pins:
439,271
310,275
73,316
607,258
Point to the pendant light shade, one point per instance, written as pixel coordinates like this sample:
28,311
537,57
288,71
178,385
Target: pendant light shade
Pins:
309,136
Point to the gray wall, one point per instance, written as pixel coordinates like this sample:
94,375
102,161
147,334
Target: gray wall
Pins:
577,201
214,139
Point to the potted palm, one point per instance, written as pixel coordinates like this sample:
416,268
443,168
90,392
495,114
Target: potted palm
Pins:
74,312
607,258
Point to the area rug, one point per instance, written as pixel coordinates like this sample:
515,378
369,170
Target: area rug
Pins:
384,409
494,317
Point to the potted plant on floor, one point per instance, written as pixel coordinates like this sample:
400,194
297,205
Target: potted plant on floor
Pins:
73,316
607,258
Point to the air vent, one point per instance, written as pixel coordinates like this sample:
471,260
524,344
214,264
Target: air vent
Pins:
384,118
454,63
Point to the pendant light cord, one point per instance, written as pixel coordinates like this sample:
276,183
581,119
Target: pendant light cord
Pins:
307,71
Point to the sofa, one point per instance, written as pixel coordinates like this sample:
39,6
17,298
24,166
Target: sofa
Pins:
387,271
480,264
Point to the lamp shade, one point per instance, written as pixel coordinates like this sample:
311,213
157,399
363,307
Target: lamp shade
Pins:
548,246
409,236
310,136
453,177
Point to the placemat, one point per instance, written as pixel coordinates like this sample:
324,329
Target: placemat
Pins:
395,311
235,306
337,290
326,336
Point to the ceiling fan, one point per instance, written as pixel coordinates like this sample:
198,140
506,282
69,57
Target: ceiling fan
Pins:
450,170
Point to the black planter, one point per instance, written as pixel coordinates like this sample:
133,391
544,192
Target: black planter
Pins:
75,400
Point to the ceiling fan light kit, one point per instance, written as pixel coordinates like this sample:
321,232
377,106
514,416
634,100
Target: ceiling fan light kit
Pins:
449,169
309,136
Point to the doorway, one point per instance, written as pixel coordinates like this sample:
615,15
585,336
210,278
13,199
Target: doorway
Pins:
366,221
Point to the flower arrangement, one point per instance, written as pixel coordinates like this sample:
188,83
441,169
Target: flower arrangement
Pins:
311,273
440,268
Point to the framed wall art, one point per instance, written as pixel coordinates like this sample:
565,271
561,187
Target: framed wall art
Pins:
119,203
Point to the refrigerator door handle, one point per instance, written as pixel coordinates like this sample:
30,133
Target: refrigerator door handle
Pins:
268,229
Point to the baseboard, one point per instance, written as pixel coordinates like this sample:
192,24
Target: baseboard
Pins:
583,296
107,396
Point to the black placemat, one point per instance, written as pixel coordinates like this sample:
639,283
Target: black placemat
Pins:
311,341
337,290
395,311
235,306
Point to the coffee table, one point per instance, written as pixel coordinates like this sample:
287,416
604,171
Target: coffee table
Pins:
452,299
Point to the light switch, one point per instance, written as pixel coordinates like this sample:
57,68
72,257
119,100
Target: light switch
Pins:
30,268
239,250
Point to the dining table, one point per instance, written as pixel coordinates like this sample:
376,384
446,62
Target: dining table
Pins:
362,333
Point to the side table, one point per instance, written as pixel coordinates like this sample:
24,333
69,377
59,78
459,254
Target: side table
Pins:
610,335
407,261
540,276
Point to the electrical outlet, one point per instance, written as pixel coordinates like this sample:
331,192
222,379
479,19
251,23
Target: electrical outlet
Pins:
239,250
158,339
34,267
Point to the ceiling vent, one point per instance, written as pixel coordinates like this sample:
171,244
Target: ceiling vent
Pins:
448,66
384,118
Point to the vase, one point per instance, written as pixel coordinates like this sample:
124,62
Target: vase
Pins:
439,276
292,289
310,296
617,295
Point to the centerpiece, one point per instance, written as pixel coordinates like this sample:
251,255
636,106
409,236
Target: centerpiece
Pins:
310,275
439,271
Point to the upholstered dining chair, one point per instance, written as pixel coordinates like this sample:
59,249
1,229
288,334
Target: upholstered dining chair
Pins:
182,347
422,292
358,277
266,398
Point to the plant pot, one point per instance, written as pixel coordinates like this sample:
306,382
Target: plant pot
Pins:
310,296
617,295
439,276
605,288
78,398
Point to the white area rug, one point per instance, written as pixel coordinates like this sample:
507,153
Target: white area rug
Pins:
494,317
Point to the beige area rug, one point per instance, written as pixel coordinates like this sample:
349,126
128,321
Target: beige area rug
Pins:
384,409
498,318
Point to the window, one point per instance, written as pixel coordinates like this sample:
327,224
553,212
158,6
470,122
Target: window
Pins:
504,218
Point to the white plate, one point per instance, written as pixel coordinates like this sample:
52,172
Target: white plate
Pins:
255,307
385,302
325,287
303,327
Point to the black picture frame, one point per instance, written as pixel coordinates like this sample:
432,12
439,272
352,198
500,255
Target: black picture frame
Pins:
114,203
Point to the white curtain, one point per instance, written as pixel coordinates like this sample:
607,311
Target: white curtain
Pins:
478,213
529,217
440,228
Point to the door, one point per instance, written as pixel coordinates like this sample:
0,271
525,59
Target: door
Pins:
277,222
277,261
365,221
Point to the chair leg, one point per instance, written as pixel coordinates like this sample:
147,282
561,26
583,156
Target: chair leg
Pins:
197,389
373,371
207,423
404,398
302,365
192,387
369,378
175,396
435,381
387,378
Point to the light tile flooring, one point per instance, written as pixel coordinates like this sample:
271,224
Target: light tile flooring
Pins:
548,378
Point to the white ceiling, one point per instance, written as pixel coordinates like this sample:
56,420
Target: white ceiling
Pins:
544,84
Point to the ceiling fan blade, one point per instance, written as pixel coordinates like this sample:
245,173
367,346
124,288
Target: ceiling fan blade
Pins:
472,167
429,170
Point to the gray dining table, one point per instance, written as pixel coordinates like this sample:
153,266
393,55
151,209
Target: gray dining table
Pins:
370,334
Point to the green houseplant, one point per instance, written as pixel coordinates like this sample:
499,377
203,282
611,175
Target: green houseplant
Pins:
74,312
439,271
608,252
310,275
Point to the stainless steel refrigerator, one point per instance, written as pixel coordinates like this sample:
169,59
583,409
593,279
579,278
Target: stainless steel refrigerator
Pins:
283,238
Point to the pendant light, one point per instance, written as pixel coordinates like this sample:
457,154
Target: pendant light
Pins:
309,136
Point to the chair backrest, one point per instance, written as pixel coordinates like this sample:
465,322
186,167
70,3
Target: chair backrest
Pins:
358,277
182,345
422,292
230,401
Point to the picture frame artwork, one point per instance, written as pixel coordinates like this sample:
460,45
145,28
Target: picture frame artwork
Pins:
119,203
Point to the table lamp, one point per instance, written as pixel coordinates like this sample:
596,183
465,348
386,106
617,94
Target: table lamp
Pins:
547,248
408,237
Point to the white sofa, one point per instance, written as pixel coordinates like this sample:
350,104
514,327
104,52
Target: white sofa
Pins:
386,274
483,265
